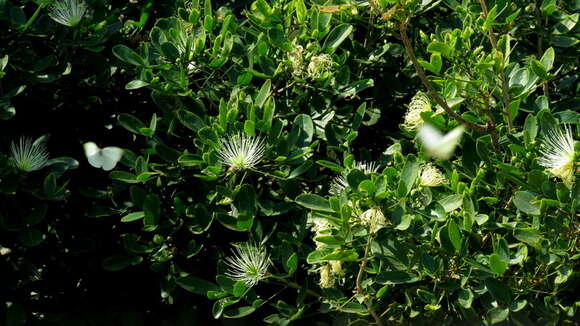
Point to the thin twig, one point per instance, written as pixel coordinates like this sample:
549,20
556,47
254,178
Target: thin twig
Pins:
359,289
502,76
427,84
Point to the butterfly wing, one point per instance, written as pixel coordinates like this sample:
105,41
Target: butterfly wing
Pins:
437,145
450,142
429,136
93,154
111,156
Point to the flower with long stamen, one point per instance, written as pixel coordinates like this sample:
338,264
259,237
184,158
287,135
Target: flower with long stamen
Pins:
558,154
340,182
27,155
68,12
431,176
367,167
419,103
249,264
241,152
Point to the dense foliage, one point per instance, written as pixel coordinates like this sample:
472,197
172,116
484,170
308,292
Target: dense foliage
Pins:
289,162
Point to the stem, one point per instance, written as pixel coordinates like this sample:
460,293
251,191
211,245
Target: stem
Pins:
298,287
502,77
427,84
31,19
359,289
540,46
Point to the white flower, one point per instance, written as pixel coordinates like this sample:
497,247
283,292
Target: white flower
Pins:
319,65
419,103
558,154
249,264
68,12
338,184
432,176
28,156
374,219
367,167
326,278
241,152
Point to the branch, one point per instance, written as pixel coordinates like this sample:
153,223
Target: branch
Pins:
359,289
502,77
427,84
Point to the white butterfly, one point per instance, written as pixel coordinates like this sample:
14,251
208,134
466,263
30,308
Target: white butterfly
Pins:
105,158
438,145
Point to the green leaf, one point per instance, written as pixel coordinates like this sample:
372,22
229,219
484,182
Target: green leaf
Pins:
539,69
152,210
547,59
323,255
525,201
408,176
124,176
454,235
302,131
530,129
439,47
136,84
498,290
127,55
240,288
465,298
196,285
301,11
169,50
329,239
131,123
497,264
133,216
490,19
30,237
190,120
119,262
239,312
396,277
451,202
263,93
530,236
330,165
292,264
314,202
336,37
